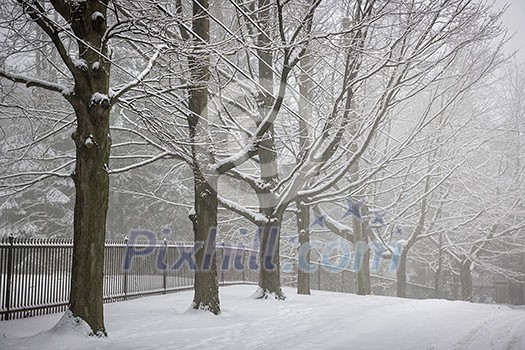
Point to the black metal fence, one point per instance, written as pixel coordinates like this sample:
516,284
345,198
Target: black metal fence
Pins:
34,276
35,273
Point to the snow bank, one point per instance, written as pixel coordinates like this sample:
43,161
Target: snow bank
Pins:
70,324
324,320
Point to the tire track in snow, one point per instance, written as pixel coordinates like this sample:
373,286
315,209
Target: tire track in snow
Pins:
501,331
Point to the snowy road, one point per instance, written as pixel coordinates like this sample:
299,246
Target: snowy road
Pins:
324,320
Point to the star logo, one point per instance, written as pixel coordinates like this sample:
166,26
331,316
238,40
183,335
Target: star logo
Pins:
377,220
319,220
352,208
398,231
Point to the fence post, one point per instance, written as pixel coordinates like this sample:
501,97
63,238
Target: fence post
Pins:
7,301
319,276
222,264
125,282
243,264
165,272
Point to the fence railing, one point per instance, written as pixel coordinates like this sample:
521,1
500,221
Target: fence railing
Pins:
35,273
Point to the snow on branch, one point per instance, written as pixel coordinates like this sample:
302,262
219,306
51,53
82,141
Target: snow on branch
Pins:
333,225
236,159
249,179
254,217
141,164
123,89
35,82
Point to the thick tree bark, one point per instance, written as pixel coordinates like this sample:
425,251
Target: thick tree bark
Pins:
303,210
206,286
360,227
437,276
402,265
92,107
206,294
466,280
401,275
361,237
269,258
269,270
91,205
303,228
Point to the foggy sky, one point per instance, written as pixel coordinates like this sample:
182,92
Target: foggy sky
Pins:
514,20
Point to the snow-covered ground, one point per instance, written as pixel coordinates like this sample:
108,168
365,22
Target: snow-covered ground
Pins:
324,320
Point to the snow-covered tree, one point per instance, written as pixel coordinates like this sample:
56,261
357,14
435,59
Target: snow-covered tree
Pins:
78,33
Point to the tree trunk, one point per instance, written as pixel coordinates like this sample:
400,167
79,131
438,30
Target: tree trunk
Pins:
91,205
270,266
455,286
303,210
361,237
466,280
206,294
303,228
360,228
437,279
401,274
437,276
92,140
206,285
269,270
363,276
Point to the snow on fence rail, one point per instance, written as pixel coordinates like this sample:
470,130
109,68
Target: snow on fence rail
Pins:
35,273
